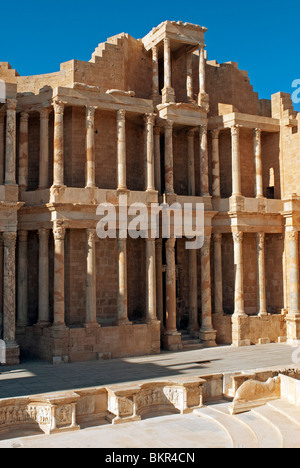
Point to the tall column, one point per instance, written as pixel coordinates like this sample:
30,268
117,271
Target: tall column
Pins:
193,325
293,237
58,163
218,283
236,163
216,189
2,147
121,129
43,319
207,333
23,151
155,79
159,283
91,281
168,93
258,163
90,146
122,291
191,163
239,274
9,303
261,274
149,122
202,83
22,280
204,185
169,174
151,280
189,77
59,232
44,149
157,160
10,157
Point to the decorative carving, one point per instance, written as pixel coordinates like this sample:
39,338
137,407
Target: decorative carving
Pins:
203,130
257,133
215,134
90,112
169,125
149,119
238,236
9,239
44,113
260,239
64,415
11,104
24,117
59,231
121,114
58,107
235,130
293,235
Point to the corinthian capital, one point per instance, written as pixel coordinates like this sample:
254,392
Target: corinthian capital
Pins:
238,236
59,231
121,114
149,119
11,104
235,130
58,107
9,239
293,235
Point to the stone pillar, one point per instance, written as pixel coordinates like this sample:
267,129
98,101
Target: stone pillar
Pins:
239,274
168,93
43,319
207,333
258,163
122,292
121,129
91,280
149,122
218,283
151,280
216,188
59,232
204,185
191,163
9,303
58,163
157,160
44,149
236,164
189,77
155,79
202,89
169,174
193,325
261,274
2,147
23,151
293,317
90,146
159,283
171,337
22,280
10,157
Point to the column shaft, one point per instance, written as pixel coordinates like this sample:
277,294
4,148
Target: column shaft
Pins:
149,122
9,287
294,272
59,275
169,174
216,189
239,274
10,157
22,279
2,147
91,280
236,164
122,292
155,79
261,274
193,293
218,283
43,277
159,282
170,286
258,163
121,150
23,152
157,159
44,149
191,164
58,163
201,70
90,147
151,280
168,93
204,185
189,77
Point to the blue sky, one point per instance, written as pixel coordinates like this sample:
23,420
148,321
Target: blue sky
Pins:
262,36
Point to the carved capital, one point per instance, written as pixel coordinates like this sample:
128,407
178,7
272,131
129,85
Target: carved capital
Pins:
217,238
190,133
24,116
169,125
156,130
44,113
203,130
9,239
58,107
11,104
238,237
43,233
90,112
215,134
235,130
149,119
257,133
293,235
121,114
59,231
260,240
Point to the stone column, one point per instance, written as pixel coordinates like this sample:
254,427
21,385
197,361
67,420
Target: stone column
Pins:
91,280
258,163
204,185
43,319
155,79
189,77
218,283
149,122
23,151
202,89
159,283
191,163
59,232
169,174
239,274
10,157
157,160
121,149
44,149
207,333
236,164
9,303
22,280
216,189
2,147
122,292
58,163
168,93
90,146
151,280
261,274
293,237
171,338
193,325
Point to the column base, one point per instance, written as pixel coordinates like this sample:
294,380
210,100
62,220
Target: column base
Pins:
168,95
240,329
171,341
12,354
293,328
208,337
119,322
91,325
43,324
203,101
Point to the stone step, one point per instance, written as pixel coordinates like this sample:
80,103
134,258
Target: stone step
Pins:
290,411
290,432
240,433
267,435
